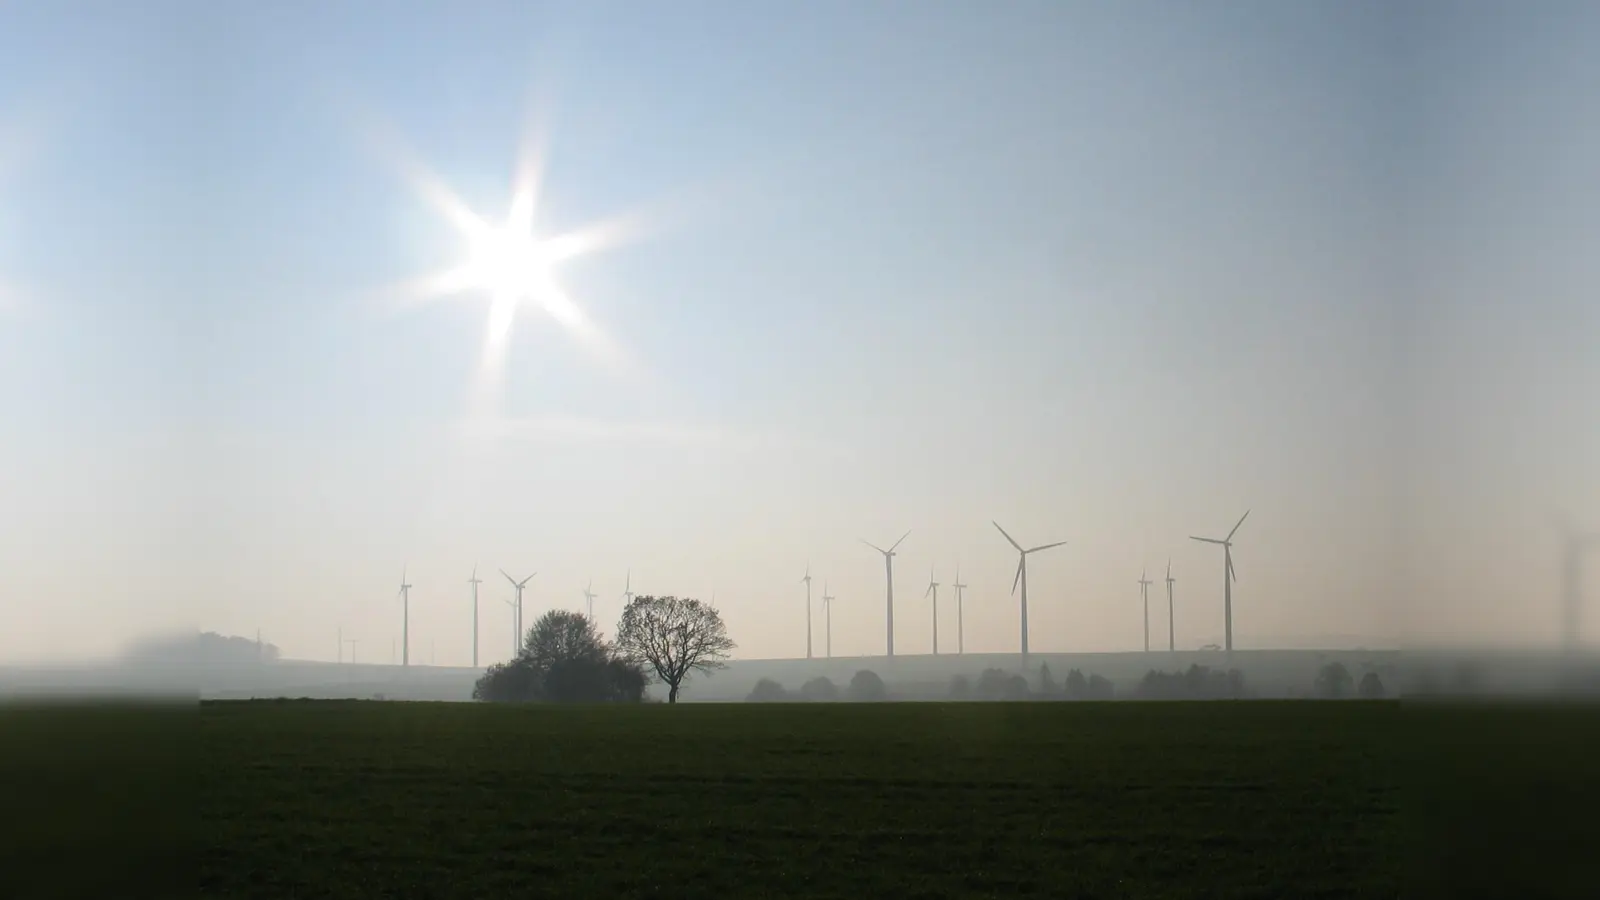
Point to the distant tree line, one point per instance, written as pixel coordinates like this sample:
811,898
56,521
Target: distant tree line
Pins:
207,648
1334,682
1197,683
865,687
992,685
565,659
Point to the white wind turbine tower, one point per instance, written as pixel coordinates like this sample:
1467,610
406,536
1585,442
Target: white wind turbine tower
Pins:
1172,643
888,566
807,582
512,605
474,581
961,628
1228,578
516,612
827,609
1144,591
933,591
405,627
1022,578
1574,544
588,599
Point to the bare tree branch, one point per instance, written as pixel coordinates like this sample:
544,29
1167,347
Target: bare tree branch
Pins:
675,637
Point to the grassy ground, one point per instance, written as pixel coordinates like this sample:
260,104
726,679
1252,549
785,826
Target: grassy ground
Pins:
348,799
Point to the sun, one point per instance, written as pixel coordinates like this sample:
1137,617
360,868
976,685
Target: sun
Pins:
513,267
511,263
506,262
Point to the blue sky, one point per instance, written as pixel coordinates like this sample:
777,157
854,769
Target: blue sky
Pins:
1108,273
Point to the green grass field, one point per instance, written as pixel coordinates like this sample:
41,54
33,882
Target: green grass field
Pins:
332,799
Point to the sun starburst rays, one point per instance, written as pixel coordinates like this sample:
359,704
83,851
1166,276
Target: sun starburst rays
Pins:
510,263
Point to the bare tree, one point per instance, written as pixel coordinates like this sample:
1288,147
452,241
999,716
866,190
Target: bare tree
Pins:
674,637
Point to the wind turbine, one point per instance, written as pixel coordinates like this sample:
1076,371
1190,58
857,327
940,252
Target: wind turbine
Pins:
1574,545
1228,578
807,581
888,567
1022,578
827,608
588,598
405,628
1144,591
474,581
627,590
1172,644
961,630
516,611
933,591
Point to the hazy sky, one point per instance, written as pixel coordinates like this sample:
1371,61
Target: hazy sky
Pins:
1108,273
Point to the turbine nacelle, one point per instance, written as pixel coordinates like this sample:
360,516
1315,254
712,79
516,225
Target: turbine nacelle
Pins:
1225,543
519,585
889,553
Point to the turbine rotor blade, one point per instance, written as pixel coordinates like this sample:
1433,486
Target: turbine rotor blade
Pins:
1207,540
1008,536
901,541
1047,546
874,546
508,577
1232,574
1017,580
1236,527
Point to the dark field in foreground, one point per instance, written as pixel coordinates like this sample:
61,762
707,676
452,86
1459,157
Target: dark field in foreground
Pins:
1052,799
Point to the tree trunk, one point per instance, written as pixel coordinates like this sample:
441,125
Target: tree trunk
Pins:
672,694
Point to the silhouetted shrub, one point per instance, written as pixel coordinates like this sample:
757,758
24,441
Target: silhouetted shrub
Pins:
1372,687
1016,689
1197,683
1081,687
960,688
992,684
819,690
1334,682
1101,688
1047,685
1077,687
563,660
593,681
867,687
767,691
508,682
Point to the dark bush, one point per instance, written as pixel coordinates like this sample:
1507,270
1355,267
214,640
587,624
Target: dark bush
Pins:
767,691
1334,682
1198,683
1372,687
819,690
867,687
563,660
960,688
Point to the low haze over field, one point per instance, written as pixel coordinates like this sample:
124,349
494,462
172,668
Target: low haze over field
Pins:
1109,275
